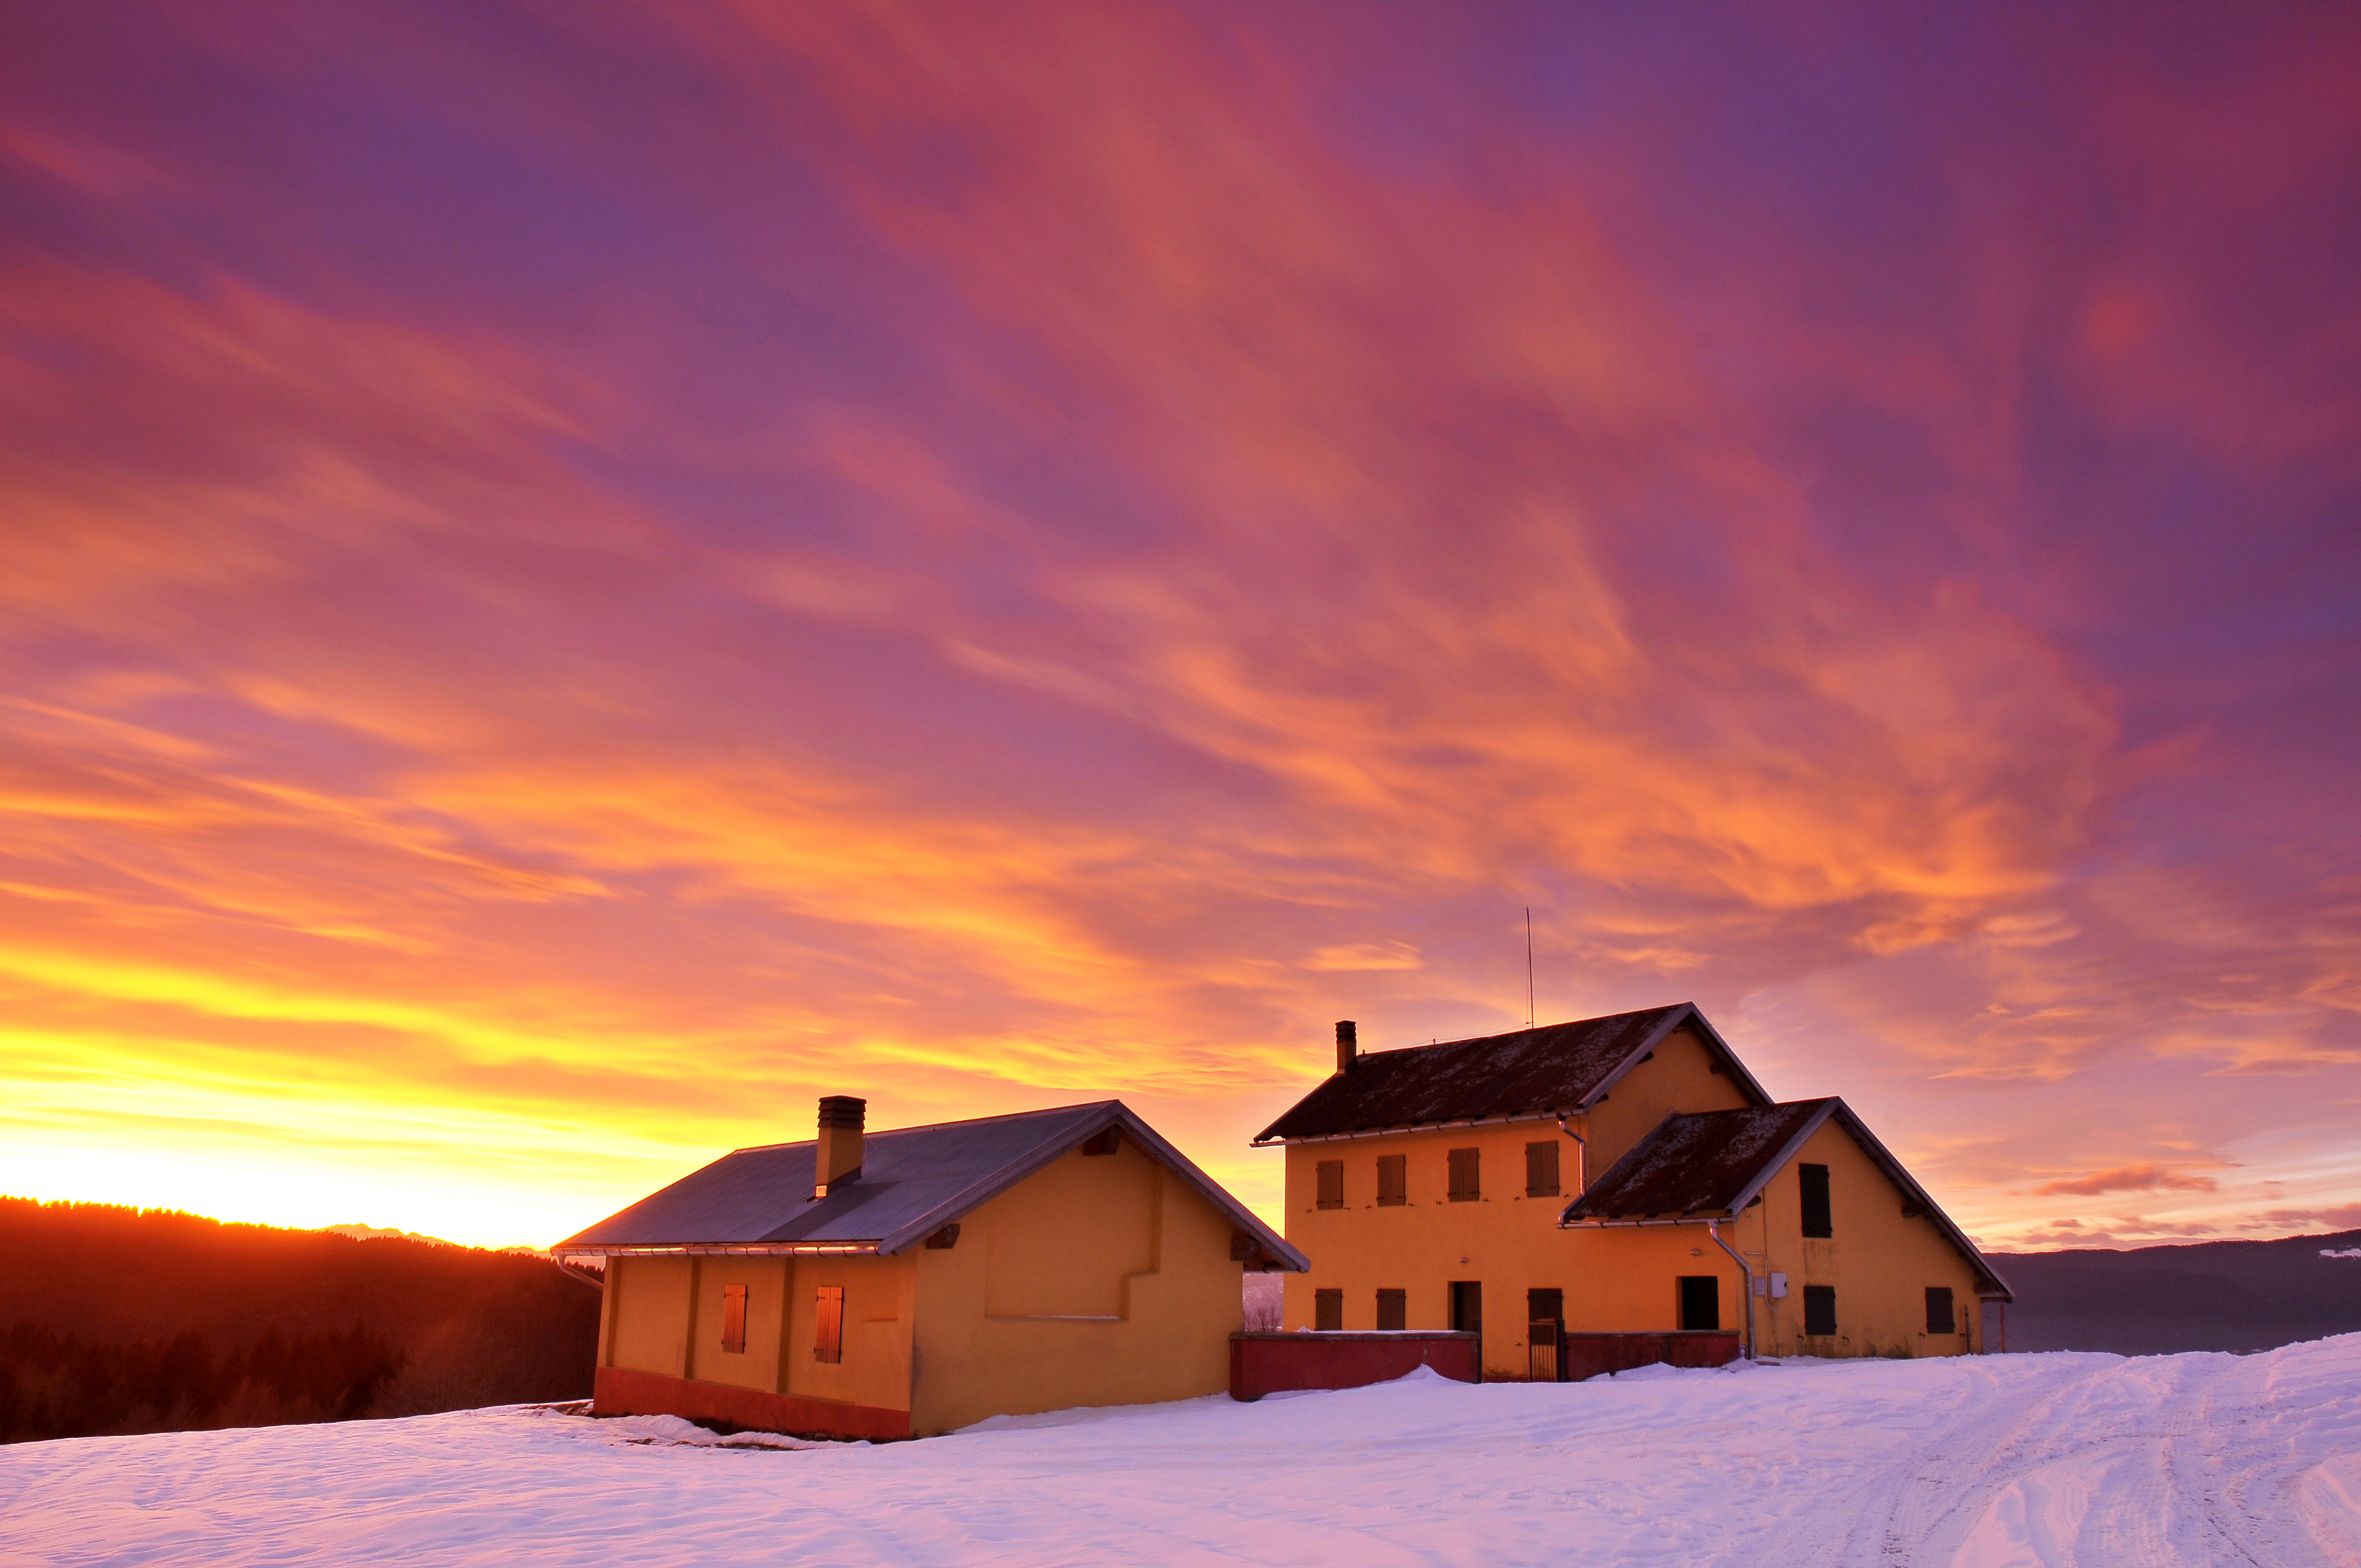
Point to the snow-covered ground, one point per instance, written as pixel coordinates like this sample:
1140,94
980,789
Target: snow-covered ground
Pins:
2028,1459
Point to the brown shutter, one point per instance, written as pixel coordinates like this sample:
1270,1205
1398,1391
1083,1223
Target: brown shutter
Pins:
1393,1180
1820,1309
1465,1186
1393,1308
1941,1318
1541,1171
734,1319
1812,1182
828,1333
1332,1184
1328,1310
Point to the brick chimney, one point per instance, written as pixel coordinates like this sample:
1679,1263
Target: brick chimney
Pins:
838,1157
1348,1044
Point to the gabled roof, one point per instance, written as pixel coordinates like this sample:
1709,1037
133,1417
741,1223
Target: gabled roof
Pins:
913,1181
1559,1067
1714,1164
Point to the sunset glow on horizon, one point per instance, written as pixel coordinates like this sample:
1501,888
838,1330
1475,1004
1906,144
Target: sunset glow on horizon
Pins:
573,577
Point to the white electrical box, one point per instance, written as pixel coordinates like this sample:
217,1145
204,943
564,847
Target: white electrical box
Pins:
1779,1284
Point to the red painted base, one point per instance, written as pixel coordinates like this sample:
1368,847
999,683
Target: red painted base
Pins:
1588,1355
1267,1362
620,1391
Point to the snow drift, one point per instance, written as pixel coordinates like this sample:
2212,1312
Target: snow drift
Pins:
1980,1462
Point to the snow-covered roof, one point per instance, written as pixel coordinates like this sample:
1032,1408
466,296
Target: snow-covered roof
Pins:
1555,1068
913,1181
1715,1163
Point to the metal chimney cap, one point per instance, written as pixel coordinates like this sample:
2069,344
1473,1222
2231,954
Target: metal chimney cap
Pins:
842,1110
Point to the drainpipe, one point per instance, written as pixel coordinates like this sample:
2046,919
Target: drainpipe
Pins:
1581,1161
1713,1229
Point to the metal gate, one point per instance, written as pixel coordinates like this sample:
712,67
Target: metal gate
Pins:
1546,1340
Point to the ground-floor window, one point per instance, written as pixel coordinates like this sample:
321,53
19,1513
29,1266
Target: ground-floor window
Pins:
1700,1301
734,1319
1819,1308
1393,1308
1941,1318
828,1334
1327,1311
1467,1305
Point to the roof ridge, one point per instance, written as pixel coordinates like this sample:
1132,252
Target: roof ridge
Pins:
930,1127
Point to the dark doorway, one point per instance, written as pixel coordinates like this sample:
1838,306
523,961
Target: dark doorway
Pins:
1700,1301
1467,1305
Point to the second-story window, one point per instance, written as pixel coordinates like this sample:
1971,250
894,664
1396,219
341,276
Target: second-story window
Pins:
734,1319
1812,1180
1393,1180
1541,1171
1465,1184
1332,1184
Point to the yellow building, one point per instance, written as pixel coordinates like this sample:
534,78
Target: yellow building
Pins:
1620,1175
908,1282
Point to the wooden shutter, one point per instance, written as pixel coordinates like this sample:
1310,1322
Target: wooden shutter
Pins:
1393,1180
1465,1186
1393,1308
1941,1318
734,1319
1332,1184
1813,1181
1820,1309
1328,1310
1541,1171
828,1330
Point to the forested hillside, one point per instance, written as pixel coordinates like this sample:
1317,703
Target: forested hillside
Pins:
2241,1296
115,1320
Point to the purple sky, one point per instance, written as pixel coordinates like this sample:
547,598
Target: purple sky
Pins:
573,577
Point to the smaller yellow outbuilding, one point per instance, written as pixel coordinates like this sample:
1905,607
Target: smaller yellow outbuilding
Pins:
912,1281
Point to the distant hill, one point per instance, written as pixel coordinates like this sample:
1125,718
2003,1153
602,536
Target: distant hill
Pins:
2237,1296
123,1320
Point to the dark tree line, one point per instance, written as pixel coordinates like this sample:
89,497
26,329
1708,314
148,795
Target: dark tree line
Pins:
55,1385
131,1320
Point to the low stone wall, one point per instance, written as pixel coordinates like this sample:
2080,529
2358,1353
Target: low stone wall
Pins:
620,1391
1269,1363
1588,1355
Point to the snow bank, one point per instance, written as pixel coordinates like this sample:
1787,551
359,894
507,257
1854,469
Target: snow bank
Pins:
2054,1459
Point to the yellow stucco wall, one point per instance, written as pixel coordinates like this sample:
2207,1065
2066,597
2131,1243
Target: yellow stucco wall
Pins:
1099,1280
1880,1261
1619,1280
647,1299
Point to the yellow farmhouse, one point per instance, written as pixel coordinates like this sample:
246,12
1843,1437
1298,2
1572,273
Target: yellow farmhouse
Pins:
1622,1175
903,1283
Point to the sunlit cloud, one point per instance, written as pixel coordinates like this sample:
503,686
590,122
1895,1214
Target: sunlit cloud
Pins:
984,560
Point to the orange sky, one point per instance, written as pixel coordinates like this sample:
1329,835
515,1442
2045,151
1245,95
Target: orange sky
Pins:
573,578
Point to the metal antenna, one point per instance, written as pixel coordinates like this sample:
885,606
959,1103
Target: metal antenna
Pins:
1528,968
